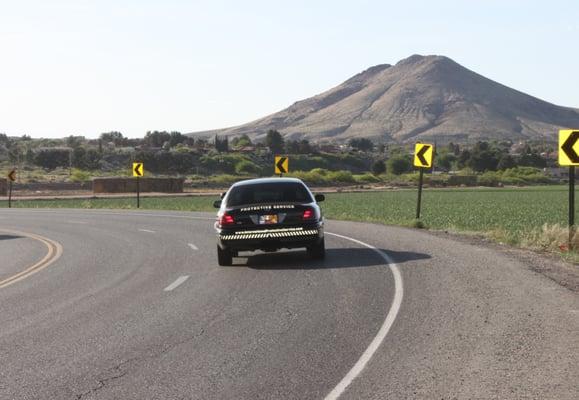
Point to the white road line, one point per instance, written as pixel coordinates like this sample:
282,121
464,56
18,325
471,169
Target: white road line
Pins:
146,230
384,329
77,222
178,282
193,246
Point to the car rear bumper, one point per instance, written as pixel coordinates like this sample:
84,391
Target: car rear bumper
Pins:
271,239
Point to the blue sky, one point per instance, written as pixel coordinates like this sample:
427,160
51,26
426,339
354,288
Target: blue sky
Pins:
85,67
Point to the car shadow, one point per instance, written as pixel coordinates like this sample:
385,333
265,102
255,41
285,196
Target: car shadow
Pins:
8,237
335,259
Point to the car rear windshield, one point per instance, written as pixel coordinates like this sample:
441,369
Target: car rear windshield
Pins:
264,193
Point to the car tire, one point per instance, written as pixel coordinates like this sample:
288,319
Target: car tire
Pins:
318,251
224,257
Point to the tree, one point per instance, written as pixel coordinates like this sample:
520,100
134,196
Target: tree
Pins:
506,161
483,161
176,138
274,141
74,141
463,158
114,137
304,147
156,138
532,159
362,144
399,164
52,158
378,167
243,141
221,144
292,147
445,160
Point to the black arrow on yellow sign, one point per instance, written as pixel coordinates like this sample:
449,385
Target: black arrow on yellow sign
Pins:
567,147
138,169
12,175
421,153
280,165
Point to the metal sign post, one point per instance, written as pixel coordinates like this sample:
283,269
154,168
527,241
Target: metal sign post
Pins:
138,171
11,179
10,195
423,157
569,156
571,206
138,194
419,203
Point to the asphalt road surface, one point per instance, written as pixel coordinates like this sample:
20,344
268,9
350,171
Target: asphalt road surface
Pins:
132,305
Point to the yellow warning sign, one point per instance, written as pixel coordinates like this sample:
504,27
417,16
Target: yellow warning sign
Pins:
423,155
281,165
569,147
138,169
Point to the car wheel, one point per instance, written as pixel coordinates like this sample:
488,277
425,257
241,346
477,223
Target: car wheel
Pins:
224,257
318,251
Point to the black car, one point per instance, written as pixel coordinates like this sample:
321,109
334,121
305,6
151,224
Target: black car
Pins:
269,214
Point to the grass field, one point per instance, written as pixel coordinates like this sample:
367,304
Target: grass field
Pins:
511,215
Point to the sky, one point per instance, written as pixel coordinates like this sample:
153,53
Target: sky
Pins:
84,67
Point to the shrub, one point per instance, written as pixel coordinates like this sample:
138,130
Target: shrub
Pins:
399,164
80,175
367,178
247,167
378,167
340,177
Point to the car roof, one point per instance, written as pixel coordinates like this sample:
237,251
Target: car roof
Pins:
267,180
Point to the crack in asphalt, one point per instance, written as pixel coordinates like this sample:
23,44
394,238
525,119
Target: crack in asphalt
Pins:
102,382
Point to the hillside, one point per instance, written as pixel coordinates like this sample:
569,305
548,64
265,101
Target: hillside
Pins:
419,98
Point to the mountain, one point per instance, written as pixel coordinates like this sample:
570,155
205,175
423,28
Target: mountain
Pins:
420,98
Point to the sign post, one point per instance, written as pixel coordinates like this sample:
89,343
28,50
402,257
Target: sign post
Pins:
281,165
423,156
138,172
11,179
569,156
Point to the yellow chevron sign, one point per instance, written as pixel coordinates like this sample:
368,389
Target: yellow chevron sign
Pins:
138,169
423,155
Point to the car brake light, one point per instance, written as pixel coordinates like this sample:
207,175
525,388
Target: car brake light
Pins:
226,219
308,214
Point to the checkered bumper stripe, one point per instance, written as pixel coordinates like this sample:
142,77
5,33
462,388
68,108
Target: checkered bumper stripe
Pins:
271,234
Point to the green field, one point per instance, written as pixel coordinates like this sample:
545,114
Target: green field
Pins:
511,215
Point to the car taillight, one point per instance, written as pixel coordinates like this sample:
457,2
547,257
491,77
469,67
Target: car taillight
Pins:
226,219
308,214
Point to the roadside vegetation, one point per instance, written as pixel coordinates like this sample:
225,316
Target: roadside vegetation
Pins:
215,161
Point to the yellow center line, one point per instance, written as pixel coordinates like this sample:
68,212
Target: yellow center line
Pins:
53,254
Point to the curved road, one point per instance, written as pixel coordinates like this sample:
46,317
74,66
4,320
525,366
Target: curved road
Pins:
136,307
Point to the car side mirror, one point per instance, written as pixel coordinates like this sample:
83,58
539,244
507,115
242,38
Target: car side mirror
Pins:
217,204
319,197
222,195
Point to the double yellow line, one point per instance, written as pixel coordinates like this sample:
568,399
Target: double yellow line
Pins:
53,254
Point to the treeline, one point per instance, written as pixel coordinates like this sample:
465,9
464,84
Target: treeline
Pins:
170,152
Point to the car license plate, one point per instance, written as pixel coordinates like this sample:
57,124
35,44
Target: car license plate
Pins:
268,219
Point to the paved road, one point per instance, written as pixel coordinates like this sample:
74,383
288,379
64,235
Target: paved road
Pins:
137,308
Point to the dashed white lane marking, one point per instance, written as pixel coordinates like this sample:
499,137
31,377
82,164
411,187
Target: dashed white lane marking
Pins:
77,222
384,329
146,230
193,246
178,282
